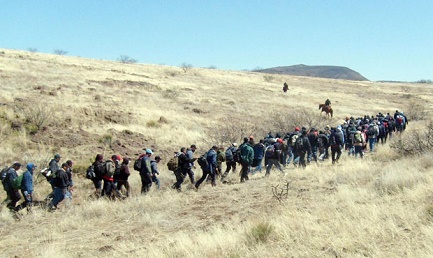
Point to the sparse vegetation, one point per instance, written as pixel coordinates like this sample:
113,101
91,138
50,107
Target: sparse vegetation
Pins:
186,67
126,60
60,52
268,78
367,207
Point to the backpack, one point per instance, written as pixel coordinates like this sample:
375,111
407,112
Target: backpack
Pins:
294,139
399,119
17,182
229,154
237,156
371,131
202,161
358,138
299,144
333,140
137,165
3,173
90,172
173,163
108,168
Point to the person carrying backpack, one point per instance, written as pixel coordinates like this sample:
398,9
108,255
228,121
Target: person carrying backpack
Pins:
302,147
259,154
27,187
13,194
230,159
372,132
336,143
97,180
60,183
209,167
122,178
247,157
146,172
359,142
155,171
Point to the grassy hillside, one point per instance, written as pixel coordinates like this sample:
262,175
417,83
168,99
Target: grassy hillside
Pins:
376,207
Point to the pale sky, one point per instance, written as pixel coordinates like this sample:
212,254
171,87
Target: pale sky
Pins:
380,39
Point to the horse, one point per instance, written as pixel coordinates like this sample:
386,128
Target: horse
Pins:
327,109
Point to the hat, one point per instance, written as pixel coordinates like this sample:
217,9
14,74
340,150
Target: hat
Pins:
57,156
251,137
16,164
280,140
327,127
215,147
30,166
149,151
193,146
297,129
234,144
157,158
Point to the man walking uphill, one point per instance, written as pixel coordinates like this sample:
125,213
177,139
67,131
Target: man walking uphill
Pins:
247,157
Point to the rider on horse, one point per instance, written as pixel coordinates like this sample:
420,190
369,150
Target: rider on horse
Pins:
327,102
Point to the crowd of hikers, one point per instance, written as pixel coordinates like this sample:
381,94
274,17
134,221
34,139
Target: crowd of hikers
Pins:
300,147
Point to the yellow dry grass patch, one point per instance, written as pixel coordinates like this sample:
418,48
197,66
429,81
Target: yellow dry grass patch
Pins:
380,206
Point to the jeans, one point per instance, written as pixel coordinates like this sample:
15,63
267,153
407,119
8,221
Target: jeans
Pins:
313,154
259,166
290,154
371,142
230,164
300,157
358,150
156,181
59,195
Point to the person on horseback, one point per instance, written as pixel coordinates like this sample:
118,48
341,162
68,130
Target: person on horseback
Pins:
327,102
285,87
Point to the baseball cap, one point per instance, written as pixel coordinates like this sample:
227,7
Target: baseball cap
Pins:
149,151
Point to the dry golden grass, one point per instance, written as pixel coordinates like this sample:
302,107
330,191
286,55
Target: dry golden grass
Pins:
381,206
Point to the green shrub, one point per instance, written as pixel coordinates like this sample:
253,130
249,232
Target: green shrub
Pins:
260,233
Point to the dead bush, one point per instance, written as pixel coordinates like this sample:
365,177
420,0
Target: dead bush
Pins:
415,142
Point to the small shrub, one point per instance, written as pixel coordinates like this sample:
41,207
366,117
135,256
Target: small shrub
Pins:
171,94
153,124
186,67
260,233
414,143
268,78
126,60
60,52
107,140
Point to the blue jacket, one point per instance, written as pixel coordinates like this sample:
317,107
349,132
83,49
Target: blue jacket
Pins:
27,184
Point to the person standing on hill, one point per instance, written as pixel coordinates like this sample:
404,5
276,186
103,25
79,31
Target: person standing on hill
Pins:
122,178
230,159
27,187
190,155
336,142
247,157
155,171
359,142
60,183
221,157
12,193
302,148
97,180
259,154
146,171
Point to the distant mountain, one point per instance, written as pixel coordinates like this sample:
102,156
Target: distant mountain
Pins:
321,71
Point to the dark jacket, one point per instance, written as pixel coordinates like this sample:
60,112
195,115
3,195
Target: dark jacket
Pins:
247,154
145,165
61,179
10,176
